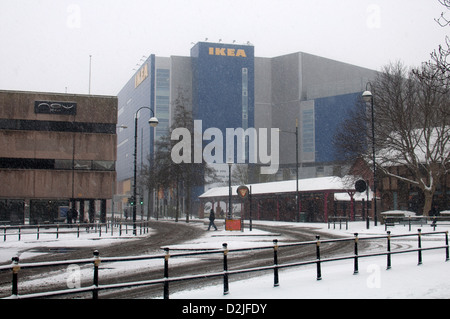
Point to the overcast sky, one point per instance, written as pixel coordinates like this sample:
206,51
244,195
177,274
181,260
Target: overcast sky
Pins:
45,44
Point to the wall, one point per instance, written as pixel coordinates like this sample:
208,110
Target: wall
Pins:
56,139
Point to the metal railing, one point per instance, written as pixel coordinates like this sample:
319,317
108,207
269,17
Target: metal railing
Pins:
390,221
225,273
60,229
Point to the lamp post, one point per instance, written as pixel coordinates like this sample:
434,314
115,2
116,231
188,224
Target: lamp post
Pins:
113,187
153,121
230,210
296,167
368,97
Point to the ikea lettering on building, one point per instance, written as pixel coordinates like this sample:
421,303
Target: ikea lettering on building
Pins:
227,52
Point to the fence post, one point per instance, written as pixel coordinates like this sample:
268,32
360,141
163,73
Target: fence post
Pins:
15,279
166,273
275,262
389,250
355,270
446,248
420,246
96,264
319,271
225,269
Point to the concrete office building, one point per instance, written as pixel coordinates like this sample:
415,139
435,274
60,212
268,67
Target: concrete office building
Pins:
56,150
228,87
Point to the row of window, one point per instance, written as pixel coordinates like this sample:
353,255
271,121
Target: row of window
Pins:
57,126
56,164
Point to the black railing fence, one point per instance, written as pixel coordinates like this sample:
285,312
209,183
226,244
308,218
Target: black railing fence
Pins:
225,273
433,221
114,227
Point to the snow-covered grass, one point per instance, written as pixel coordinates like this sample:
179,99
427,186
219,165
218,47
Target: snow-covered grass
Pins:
404,280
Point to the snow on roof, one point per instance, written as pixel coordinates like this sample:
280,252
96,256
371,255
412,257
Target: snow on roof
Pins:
332,183
424,147
357,197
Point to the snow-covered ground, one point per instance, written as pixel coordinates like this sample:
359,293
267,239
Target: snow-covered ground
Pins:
29,245
404,280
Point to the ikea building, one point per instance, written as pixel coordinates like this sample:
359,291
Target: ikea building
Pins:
226,86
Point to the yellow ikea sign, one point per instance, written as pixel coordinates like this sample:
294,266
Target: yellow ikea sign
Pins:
141,75
227,52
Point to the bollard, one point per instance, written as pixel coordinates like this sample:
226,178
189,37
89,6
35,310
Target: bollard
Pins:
420,247
96,265
446,248
37,233
319,271
166,273
15,279
225,269
57,231
19,232
78,230
355,270
389,250
275,262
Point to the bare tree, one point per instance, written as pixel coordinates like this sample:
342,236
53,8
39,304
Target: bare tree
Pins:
412,128
439,62
162,172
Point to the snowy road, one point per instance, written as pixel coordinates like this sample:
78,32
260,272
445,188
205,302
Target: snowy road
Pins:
163,234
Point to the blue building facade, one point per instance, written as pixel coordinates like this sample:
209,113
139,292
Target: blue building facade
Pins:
223,86
149,87
330,113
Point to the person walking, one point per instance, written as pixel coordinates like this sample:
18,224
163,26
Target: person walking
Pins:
212,217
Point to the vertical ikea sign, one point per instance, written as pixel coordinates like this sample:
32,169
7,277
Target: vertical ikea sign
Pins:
141,75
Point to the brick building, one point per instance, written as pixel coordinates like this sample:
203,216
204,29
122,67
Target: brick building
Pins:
56,150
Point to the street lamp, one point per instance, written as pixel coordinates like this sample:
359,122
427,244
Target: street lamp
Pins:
296,167
368,98
113,186
153,122
230,210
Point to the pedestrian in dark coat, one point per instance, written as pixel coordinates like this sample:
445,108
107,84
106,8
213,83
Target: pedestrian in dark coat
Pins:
212,217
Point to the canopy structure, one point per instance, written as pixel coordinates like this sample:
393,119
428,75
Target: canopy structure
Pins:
277,200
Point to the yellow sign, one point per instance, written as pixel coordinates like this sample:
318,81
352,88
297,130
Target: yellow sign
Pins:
141,75
227,52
